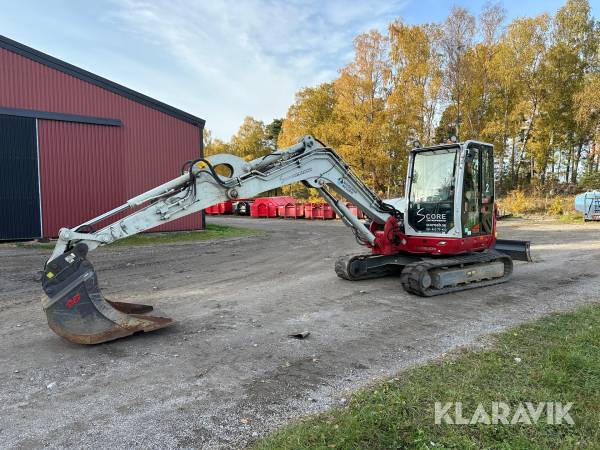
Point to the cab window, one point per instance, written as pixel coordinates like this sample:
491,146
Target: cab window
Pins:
431,199
478,191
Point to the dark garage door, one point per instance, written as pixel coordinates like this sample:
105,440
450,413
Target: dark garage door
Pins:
19,187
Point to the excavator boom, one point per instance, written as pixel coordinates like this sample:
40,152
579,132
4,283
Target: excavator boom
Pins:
74,304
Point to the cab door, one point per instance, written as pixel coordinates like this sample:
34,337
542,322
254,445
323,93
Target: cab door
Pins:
478,190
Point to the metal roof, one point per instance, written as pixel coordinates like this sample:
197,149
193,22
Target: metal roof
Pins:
94,79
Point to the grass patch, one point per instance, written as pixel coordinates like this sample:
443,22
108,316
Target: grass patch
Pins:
211,231
559,362
571,218
35,244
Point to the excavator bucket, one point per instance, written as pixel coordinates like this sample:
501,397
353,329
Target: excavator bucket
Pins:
76,309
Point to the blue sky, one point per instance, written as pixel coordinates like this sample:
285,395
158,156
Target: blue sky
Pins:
220,60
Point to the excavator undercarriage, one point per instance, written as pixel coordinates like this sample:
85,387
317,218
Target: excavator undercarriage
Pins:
428,276
440,239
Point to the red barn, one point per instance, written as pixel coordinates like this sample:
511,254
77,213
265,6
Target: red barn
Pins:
74,145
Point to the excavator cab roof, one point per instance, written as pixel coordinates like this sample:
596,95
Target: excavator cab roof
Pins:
448,146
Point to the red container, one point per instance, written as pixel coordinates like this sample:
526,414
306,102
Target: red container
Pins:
260,209
309,209
326,212
225,207
293,211
267,206
322,211
355,211
220,208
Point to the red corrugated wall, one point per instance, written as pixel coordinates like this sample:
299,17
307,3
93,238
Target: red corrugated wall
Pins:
85,169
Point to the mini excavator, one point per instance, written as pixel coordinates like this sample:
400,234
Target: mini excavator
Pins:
440,238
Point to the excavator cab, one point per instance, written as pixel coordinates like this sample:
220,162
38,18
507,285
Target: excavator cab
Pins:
451,191
450,199
478,191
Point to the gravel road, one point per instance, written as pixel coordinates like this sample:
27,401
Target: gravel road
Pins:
227,371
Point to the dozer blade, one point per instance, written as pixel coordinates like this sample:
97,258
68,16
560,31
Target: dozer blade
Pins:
517,250
76,309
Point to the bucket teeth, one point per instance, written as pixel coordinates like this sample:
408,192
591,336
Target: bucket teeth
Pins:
76,309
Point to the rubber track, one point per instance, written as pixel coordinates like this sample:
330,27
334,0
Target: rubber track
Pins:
411,274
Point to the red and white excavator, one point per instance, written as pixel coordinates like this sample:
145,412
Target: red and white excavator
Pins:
440,238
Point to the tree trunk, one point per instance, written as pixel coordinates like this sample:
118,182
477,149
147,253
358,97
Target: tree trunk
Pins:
504,140
575,170
512,164
590,159
568,165
551,150
531,169
559,165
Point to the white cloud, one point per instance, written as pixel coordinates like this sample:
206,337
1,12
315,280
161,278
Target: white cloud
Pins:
248,57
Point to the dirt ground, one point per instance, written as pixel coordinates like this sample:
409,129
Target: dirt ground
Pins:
227,371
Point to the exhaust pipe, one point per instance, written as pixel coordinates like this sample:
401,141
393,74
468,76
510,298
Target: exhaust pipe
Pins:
76,309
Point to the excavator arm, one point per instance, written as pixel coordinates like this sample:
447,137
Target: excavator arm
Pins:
74,305
309,161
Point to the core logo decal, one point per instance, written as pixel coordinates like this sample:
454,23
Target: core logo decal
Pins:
431,217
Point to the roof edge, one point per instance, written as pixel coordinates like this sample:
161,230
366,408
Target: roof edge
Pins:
61,117
84,75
